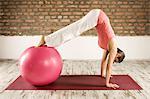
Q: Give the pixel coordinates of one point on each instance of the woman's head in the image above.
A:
(119, 56)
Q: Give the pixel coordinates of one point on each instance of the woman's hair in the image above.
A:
(120, 59)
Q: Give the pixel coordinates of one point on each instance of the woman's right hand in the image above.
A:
(111, 85)
(42, 41)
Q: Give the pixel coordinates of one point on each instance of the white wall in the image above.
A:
(136, 47)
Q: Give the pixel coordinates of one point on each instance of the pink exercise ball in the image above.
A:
(40, 65)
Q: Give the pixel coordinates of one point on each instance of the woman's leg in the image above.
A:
(73, 30)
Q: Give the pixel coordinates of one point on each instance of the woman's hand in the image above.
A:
(42, 41)
(110, 85)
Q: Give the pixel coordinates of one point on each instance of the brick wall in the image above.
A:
(34, 17)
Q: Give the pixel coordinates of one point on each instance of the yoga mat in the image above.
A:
(78, 82)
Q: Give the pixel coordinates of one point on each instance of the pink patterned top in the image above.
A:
(104, 29)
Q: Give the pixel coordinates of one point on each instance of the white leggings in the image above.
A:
(73, 30)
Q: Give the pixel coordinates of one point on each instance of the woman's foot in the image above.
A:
(42, 41)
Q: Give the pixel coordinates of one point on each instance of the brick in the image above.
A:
(129, 28)
(136, 6)
(40, 9)
(59, 10)
(5, 17)
(76, 2)
(132, 32)
(77, 13)
(59, 17)
(11, 6)
(141, 20)
(53, 13)
(112, 6)
(8, 13)
(78, 17)
(25, 27)
(53, 10)
(72, 6)
(71, 17)
(1, 24)
(34, 2)
(113, 2)
(6, 32)
(13, 28)
(48, 6)
(119, 2)
(31, 13)
(140, 28)
(47, 17)
(29, 10)
(125, 6)
(16, 21)
(131, 2)
(37, 6)
(41, 17)
(130, 14)
(53, 17)
(65, 17)
(118, 28)
(24, 2)
(44, 13)
(59, 6)
(5, 10)
(65, 10)
(65, 2)
(125, 2)
(104, 6)
(66, 13)
(100, 2)
(30, 21)
(59, 2)
(119, 13)
(131, 20)
(65, 20)
(96, 6)
(25, 13)
(70, 2)
(41, 2)
(53, 2)
(1, 10)
(81, 2)
(5, 3)
(29, 2)
(95, 2)
(83, 9)
(118, 20)
(84, 6)
(141, 13)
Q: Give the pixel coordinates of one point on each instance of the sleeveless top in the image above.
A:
(104, 29)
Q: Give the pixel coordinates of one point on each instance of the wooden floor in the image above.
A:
(138, 70)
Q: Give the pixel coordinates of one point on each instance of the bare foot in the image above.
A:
(42, 41)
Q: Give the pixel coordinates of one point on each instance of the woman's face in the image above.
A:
(117, 58)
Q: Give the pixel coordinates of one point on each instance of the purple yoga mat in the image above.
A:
(78, 82)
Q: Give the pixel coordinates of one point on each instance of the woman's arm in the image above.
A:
(112, 54)
(104, 63)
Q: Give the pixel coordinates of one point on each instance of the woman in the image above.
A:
(106, 39)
